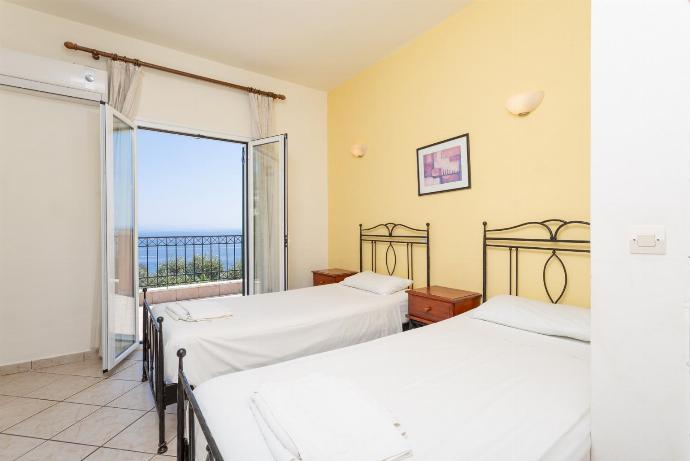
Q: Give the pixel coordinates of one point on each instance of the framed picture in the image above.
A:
(444, 166)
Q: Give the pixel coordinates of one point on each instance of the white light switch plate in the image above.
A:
(648, 240)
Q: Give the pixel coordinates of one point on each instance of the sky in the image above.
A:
(186, 184)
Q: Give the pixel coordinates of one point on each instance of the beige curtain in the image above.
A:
(261, 108)
(124, 80)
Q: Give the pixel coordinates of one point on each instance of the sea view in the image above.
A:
(209, 251)
(189, 209)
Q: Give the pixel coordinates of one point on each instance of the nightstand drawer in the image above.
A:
(320, 279)
(429, 309)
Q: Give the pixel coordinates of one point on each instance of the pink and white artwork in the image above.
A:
(444, 166)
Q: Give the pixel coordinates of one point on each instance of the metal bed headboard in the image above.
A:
(496, 238)
(390, 235)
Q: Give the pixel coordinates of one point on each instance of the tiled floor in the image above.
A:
(73, 412)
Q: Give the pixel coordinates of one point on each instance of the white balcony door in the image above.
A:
(266, 270)
(120, 277)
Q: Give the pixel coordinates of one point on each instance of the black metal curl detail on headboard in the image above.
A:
(391, 234)
(552, 243)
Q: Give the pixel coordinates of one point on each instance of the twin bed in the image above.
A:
(246, 332)
(265, 329)
(508, 380)
(463, 389)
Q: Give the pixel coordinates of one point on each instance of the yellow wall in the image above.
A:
(454, 79)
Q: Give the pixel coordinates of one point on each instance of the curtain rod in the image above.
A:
(96, 54)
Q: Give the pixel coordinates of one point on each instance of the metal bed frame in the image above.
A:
(186, 437)
(389, 234)
(493, 238)
(186, 426)
(153, 369)
(550, 242)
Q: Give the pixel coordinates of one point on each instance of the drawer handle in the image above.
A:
(427, 309)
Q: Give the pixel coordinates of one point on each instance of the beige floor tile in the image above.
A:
(135, 356)
(103, 392)
(14, 410)
(171, 409)
(58, 451)
(143, 434)
(132, 372)
(108, 454)
(100, 426)
(120, 367)
(139, 398)
(12, 446)
(63, 387)
(52, 420)
(93, 368)
(22, 384)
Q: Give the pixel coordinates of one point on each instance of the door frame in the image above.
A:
(107, 346)
(173, 128)
(183, 130)
(283, 138)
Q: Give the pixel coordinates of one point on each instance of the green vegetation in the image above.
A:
(197, 270)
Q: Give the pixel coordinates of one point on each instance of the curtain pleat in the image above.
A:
(124, 80)
(261, 108)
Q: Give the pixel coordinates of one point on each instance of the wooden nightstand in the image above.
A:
(433, 304)
(326, 276)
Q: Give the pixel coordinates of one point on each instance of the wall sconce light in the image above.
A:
(359, 150)
(523, 103)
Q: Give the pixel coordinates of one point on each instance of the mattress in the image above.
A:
(463, 389)
(274, 327)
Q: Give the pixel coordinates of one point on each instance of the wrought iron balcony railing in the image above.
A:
(185, 259)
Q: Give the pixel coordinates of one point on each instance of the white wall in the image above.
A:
(176, 100)
(640, 175)
(49, 285)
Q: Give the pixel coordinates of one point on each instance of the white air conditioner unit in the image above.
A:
(27, 71)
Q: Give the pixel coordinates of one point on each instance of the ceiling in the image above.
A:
(317, 43)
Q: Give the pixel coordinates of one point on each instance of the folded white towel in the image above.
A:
(177, 312)
(197, 310)
(318, 418)
(277, 449)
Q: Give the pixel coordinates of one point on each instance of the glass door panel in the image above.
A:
(120, 299)
(267, 223)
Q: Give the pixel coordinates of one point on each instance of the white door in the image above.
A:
(119, 232)
(266, 270)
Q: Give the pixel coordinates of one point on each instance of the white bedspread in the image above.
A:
(270, 328)
(319, 417)
(463, 389)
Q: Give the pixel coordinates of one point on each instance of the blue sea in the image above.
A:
(151, 256)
